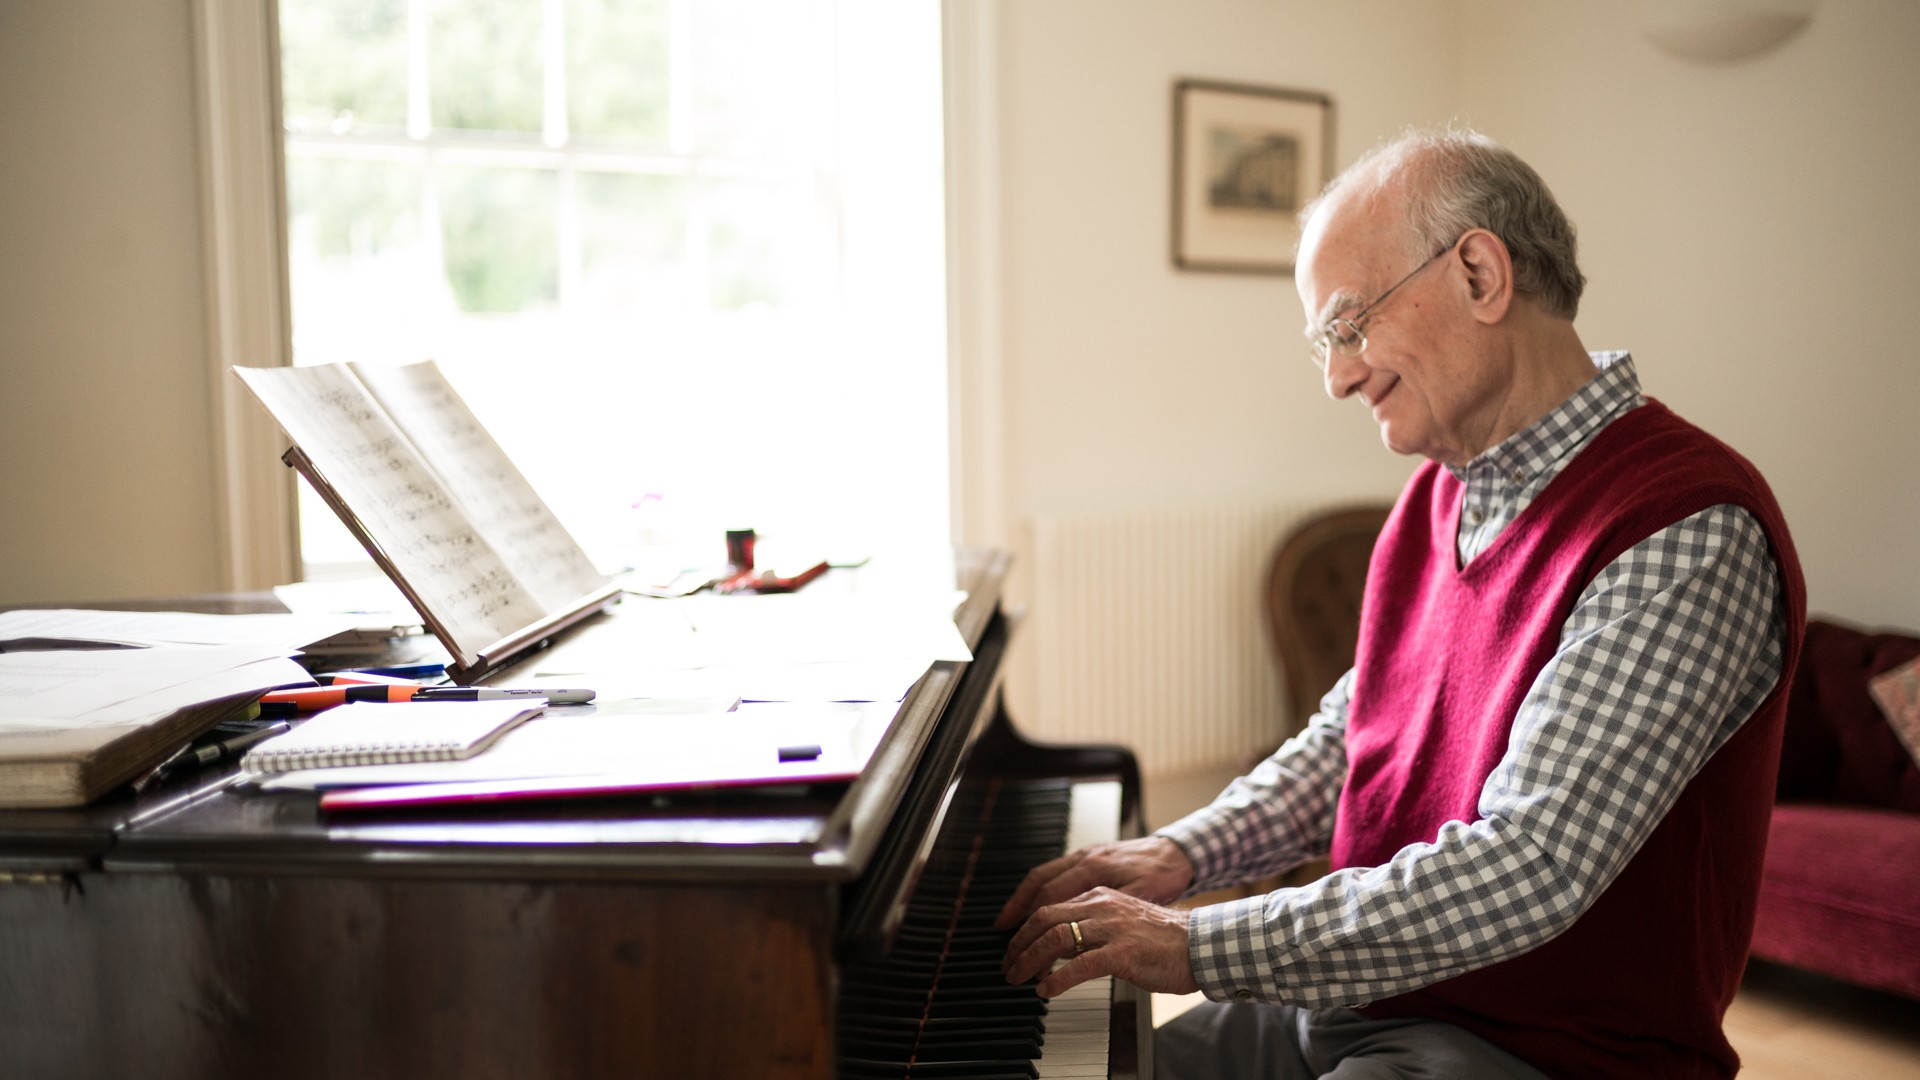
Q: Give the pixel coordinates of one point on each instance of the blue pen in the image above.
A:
(405, 671)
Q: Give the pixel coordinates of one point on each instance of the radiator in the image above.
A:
(1150, 631)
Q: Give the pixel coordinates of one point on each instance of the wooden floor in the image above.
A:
(1785, 1024)
(1790, 1025)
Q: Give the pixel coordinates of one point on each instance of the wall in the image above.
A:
(1750, 232)
(107, 480)
(1129, 385)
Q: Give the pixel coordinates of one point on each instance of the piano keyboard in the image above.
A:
(936, 1007)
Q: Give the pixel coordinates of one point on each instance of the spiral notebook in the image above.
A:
(381, 733)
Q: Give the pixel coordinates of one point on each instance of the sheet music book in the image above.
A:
(379, 733)
(413, 474)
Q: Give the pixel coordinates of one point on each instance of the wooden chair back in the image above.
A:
(1313, 603)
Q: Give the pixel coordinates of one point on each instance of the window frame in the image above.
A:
(244, 222)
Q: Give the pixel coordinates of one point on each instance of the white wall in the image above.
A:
(106, 455)
(1130, 384)
(1750, 231)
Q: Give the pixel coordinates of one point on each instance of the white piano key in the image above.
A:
(1078, 1021)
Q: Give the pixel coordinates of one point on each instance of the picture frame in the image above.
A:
(1246, 158)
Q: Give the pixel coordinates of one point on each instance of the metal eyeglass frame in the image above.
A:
(1352, 340)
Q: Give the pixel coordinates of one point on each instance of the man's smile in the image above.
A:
(1374, 400)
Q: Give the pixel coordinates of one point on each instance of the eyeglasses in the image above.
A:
(1346, 334)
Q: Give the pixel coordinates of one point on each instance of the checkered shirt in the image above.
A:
(1666, 653)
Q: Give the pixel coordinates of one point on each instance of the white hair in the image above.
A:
(1456, 180)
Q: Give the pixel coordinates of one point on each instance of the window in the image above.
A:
(684, 257)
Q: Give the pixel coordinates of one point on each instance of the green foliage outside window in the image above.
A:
(347, 63)
(484, 65)
(502, 252)
(617, 70)
(355, 209)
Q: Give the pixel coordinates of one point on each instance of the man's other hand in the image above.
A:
(1152, 868)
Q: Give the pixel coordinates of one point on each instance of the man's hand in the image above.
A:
(1123, 935)
(1152, 868)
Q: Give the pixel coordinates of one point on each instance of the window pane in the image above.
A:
(502, 249)
(758, 71)
(767, 245)
(484, 64)
(356, 241)
(345, 209)
(633, 246)
(344, 64)
(617, 70)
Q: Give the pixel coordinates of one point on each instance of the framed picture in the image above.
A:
(1245, 160)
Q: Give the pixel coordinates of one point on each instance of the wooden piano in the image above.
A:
(207, 931)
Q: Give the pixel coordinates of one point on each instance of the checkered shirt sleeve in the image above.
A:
(1666, 653)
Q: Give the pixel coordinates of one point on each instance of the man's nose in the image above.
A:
(1345, 374)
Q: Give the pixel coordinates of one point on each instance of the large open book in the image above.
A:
(438, 504)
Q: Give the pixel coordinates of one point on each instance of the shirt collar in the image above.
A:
(1542, 445)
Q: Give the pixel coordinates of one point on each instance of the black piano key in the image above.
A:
(857, 1069)
(885, 1029)
(893, 1005)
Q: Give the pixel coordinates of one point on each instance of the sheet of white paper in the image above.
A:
(484, 481)
(880, 680)
(272, 632)
(684, 748)
(260, 675)
(64, 688)
(805, 627)
(379, 475)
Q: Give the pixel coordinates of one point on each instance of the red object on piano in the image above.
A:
(769, 582)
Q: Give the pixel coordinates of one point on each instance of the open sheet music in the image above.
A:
(411, 471)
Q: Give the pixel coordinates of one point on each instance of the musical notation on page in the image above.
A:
(473, 468)
(428, 537)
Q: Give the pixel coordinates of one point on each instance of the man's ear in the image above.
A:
(1489, 269)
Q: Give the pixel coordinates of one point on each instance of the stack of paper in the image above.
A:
(77, 719)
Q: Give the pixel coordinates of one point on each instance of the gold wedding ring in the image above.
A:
(1079, 943)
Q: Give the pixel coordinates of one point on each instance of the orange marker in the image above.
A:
(286, 702)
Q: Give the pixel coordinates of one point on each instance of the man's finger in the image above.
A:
(1031, 932)
(1023, 903)
(1050, 943)
(1088, 965)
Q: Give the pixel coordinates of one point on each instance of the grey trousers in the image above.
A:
(1215, 1041)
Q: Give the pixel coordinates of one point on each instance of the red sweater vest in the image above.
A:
(1638, 985)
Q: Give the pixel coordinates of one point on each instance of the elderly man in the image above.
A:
(1544, 786)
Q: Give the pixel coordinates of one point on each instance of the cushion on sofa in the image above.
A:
(1838, 894)
(1838, 746)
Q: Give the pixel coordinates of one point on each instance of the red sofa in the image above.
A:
(1841, 891)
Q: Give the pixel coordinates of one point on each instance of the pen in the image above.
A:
(174, 760)
(285, 702)
(404, 671)
(227, 748)
(485, 693)
(361, 678)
